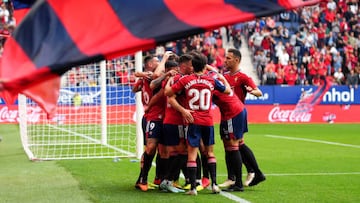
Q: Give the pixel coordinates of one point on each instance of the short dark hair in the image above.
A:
(185, 58)
(148, 58)
(171, 64)
(235, 52)
(173, 57)
(198, 61)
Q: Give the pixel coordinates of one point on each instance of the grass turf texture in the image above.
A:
(303, 163)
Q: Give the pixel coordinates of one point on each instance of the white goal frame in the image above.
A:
(33, 141)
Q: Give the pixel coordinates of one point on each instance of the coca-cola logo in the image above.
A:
(33, 114)
(278, 115)
(7, 115)
(12, 115)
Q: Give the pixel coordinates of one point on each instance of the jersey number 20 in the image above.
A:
(200, 99)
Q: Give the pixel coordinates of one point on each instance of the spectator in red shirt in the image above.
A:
(330, 17)
(280, 77)
(267, 43)
(291, 77)
(327, 62)
(316, 80)
(312, 68)
(288, 67)
(344, 26)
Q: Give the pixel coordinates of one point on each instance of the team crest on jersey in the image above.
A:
(236, 79)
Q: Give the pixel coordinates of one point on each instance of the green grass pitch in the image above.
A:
(302, 163)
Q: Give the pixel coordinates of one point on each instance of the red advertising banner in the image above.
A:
(291, 114)
(125, 114)
(288, 114)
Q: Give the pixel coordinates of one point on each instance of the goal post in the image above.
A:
(98, 115)
(139, 109)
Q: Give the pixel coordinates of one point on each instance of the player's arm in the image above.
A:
(137, 86)
(227, 89)
(157, 82)
(211, 68)
(147, 74)
(160, 69)
(140, 74)
(256, 92)
(168, 90)
(186, 114)
(252, 88)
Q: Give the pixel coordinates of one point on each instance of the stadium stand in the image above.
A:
(317, 40)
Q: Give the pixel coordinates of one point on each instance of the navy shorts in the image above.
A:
(196, 132)
(173, 134)
(234, 128)
(154, 129)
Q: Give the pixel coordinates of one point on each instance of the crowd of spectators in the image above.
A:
(120, 71)
(7, 22)
(294, 47)
(302, 45)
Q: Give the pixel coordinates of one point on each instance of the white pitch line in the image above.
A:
(222, 193)
(312, 140)
(233, 197)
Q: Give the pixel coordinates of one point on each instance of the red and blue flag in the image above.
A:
(21, 7)
(57, 35)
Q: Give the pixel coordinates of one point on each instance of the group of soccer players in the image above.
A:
(177, 93)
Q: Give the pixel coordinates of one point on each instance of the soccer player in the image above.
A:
(173, 131)
(175, 115)
(198, 89)
(242, 84)
(143, 84)
(171, 67)
(174, 128)
(233, 125)
(152, 119)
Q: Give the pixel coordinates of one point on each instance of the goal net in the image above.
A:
(96, 116)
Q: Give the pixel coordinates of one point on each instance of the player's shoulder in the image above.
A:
(177, 76)
(187, 76)
(184, 78)
(242, 75)
(207, 77)
(226, 73)
(237, 73)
